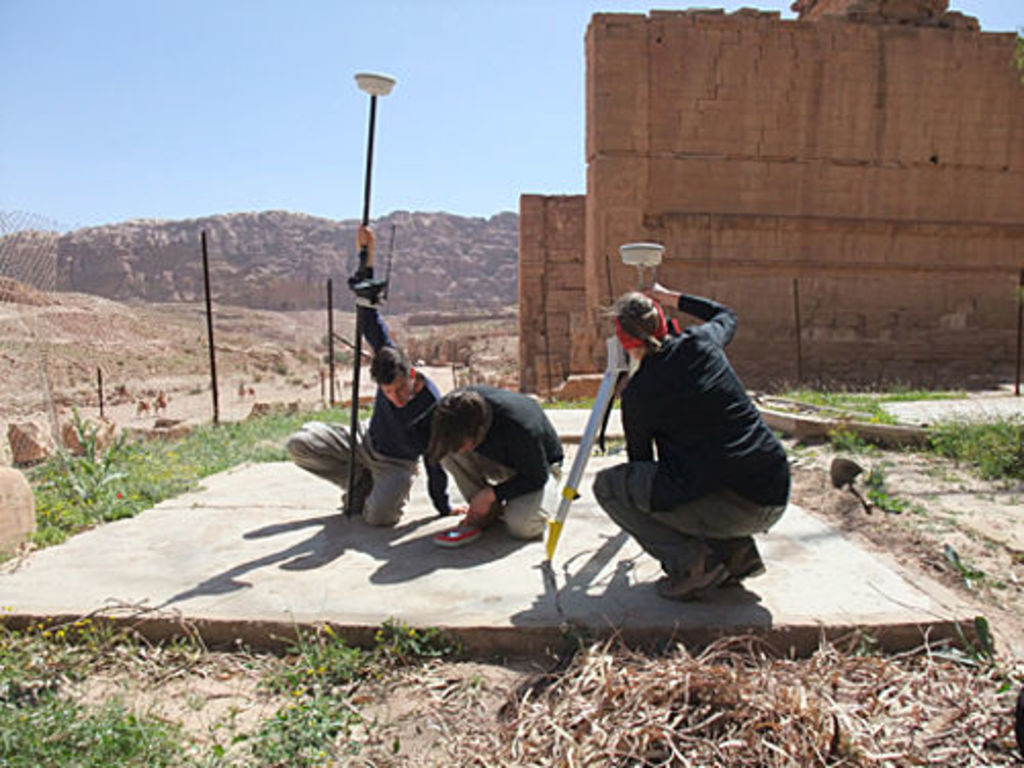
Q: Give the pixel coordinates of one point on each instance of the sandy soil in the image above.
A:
(52, 357)
(956, 528)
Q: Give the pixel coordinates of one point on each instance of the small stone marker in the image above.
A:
(17, 509)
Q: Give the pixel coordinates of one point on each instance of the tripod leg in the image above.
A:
(602, 403)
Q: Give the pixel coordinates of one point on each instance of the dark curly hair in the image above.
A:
(390, 363)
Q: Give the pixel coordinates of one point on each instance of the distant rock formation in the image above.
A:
(280, 260)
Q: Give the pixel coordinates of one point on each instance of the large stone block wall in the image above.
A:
(551, 299)
(875, 170)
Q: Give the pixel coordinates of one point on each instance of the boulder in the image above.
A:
(17, 509)
(106, 431)
(30, 442)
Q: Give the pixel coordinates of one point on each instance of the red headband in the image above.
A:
(632, 342)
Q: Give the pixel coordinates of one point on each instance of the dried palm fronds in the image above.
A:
(733, 705)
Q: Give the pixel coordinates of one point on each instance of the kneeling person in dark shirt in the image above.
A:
(387, 455)
(502, 451)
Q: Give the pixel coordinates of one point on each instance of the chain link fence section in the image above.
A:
(28, 280)
(146, 362)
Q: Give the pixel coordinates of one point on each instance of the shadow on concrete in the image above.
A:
(411, 559)
(600, 598)
(403, 560)
(326, 544)
(321, 548)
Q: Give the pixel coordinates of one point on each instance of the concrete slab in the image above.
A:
(262, 548)
(570, 423)
(987, 407)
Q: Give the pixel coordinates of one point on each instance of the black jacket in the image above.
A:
(521, 437)
(687, 400)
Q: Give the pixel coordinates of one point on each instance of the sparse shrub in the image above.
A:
(995, 448)
(41, 726)
(879, 495)
(322, 659)
(399, 643)
(848, 441)
(305, 733)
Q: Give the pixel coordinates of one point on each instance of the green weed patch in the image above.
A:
(995, 449)
(74, 493)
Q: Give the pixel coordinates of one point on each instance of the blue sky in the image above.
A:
(121, 109)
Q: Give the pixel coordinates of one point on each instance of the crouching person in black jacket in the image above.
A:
(720, 475)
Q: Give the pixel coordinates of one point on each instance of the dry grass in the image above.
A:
(733, 705)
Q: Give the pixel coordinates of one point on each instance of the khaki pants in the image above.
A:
(382, 484)
(524, 516)
(719, 523)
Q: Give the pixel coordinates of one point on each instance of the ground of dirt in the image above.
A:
(153, 361)
(428, 712)
(954, 527)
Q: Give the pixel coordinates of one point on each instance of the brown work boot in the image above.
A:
(704, 576)
(744, 562)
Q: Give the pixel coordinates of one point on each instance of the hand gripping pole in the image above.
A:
(617, 363)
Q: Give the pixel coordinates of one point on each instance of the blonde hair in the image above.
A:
(639, 317)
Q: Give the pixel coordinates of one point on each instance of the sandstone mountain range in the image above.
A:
(123, 303)
(277, 260)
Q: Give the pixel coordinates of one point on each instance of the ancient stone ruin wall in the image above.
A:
(865, 181)
(551, 298)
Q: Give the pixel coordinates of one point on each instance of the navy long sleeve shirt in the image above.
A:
(403, 433)
(521, 437)
(686, 400)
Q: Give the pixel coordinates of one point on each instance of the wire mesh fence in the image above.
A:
(145, 366)
(28, 277)
(140, 366)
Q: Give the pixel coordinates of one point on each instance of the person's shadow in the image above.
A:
(417, 557)
(403, 558)
(623, 605)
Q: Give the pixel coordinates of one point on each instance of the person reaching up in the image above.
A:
(720, 475)
(387, 455)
